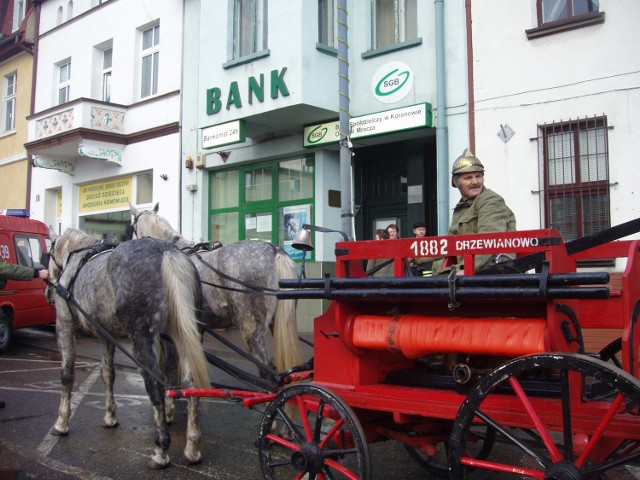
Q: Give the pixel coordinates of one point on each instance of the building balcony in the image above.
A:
(88, 130)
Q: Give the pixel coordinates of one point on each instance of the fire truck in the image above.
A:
(22, 303)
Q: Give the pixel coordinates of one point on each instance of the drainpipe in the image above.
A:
(35, 10)
(472, 102)
(345, 147)
(441, 125)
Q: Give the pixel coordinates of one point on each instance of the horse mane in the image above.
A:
(159, 227)
(74, 239)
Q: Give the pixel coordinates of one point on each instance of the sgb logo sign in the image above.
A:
(392, 82)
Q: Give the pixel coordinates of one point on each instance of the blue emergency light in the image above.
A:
(15, 212)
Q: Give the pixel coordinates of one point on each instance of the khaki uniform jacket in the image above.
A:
(12, 271)
(485, 213)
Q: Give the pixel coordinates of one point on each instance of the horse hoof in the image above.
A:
(106, 425)
(188, 462)
(153, 465)
(57, 433)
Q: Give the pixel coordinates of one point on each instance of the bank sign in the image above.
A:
(392, 82)
(396, 120)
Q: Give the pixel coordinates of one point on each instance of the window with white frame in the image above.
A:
(576, 176)
(393, 22)
(107, 57)
(326, 22)
(70, 10)
(18, 13)
(9, 89)
(249, 27)
(64, 81)
(150, 61)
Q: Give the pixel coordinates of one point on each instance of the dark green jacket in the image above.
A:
(12, 271)
(483, 214)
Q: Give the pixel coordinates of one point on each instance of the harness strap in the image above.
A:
(250, 286)
(68, 297)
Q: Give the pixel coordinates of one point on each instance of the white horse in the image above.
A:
(239, 284)
(143, 289)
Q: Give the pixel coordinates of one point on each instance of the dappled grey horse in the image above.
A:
(144, 289)
(239, 289)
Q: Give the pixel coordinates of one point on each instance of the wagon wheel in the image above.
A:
(611, 351)
(567, 452)
(479, 444)
(323, 439)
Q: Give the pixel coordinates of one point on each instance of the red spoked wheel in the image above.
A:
(322, 440)
(479, 443)
(559, 417)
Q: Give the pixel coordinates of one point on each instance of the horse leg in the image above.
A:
(143, 349)
(67, 345)
(255, 340)
(108, 376)
(192, 453)
(170, 362)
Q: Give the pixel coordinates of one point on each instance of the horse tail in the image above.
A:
(286, 346)
(182, 290)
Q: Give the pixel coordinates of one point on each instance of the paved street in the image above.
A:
(29, 386)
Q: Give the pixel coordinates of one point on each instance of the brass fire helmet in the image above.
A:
(465, 163)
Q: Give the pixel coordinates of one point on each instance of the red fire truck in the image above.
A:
(22, 304)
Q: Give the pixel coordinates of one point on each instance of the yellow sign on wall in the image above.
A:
(111, 194)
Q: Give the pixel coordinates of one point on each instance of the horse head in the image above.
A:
(61, 250)
(147, 223)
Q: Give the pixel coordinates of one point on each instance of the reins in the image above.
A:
(248, 289)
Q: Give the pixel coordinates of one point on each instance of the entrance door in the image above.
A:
(382, 174)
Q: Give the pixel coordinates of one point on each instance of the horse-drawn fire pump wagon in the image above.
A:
(456, 366)
(464, 366)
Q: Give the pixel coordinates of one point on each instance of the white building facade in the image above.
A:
(105, 128)
(261, 106)
(556, 91)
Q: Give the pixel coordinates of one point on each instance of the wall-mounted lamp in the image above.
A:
(188, 162)
(164, 176)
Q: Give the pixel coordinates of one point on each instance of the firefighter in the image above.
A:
(479, 210)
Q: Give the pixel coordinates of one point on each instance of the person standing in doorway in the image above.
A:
(393, 231)
(420, 229)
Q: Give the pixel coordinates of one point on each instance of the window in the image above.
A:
(326, 23)
(18, 14)
(106, 74)
(393, 22)
(249, 27)
(267, 202)
(70, 10)
(28, 251)
(553, 10)
(64, 82)
(150, 59)
(59, 16)
(576, 167)
(9, 89)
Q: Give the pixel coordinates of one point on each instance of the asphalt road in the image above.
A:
(30, 386)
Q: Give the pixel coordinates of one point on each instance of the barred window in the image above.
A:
(576, 176)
